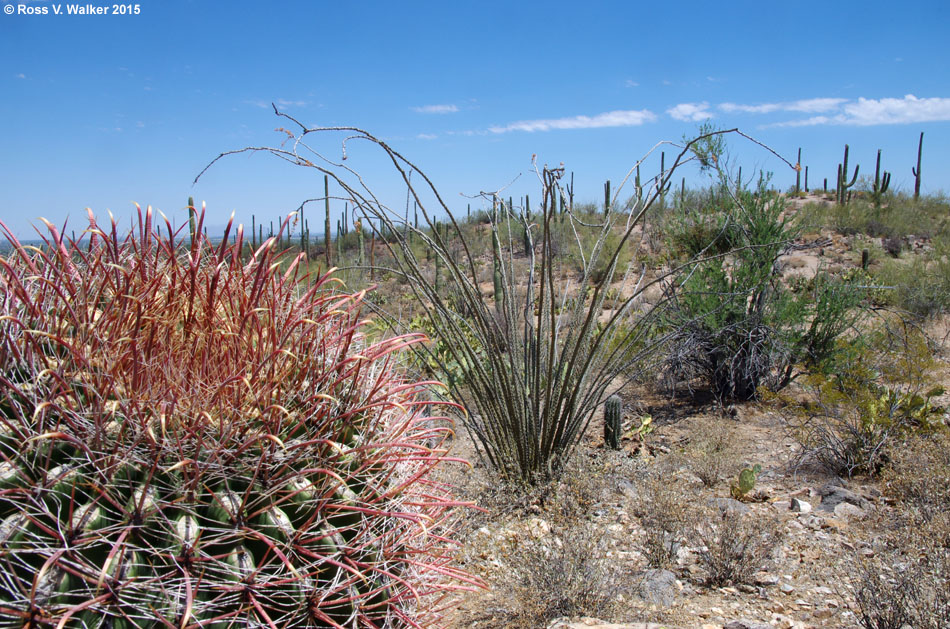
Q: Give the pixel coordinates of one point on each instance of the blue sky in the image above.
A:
(102, 111)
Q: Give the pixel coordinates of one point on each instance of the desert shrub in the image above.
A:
(565, 573)
(920, 287)
(735, 546)
(712, 455)
(552, 558)
(917, 476)
(189, 436)
(907, 586)
(880, 390)
(667, 516)
(734, 324)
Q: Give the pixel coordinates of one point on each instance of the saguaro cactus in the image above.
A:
(326, 218)
(880, 184)
(843, 183)
(612, 408)
(607, 198)
(798, 172)
(192, 214)
(916, 171)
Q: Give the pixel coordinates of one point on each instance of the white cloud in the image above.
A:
(870, 111)
(280, 102)
(21, 76)
(807, 122)
(426, 136)
(749, 109)
(690, 112)
(436, 109)
(815, 105)
(628, 118)
(808, 106)
(631, 83)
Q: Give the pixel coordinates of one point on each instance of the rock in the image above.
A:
(786, 588)
(765, 579)
(848, 511)
(800, 506)
(659, 587)
(746, 624)
(595, 623)
(537, 528)
(832, 496)
(730, 505)
(627, 488)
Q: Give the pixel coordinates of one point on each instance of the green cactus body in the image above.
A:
(192, 225)
(612, 421)
(843, 183)
(916, 171)
(880, 184)
(798, 173)
(746, 482)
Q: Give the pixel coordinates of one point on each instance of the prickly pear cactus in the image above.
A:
(746, 482)
(189, 440)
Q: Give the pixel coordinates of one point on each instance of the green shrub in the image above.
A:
(732, 322)
(880, 390)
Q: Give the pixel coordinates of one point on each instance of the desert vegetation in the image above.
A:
(696, 407)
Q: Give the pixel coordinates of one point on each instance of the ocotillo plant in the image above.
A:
(612, 422)
(526, 417)
(880, 184)
(916, 171)
(843, 183)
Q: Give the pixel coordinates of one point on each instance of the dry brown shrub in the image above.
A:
(666, 515)
(735, 546)
(550, 558)
(713, 455)
(909, 585)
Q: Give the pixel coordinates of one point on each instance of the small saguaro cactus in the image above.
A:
(192, 213)
(360, 243)
(916, 171)
(612, 414)
(843, 183)
(607, 198)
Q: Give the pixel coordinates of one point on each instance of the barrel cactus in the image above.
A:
(189, 438)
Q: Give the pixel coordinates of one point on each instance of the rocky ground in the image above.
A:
(592, 539)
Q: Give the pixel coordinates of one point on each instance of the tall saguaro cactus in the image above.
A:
(880, 184)
(798, 173)
(843, 183)
(607, 198)
(326, 224)
(916, 171)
